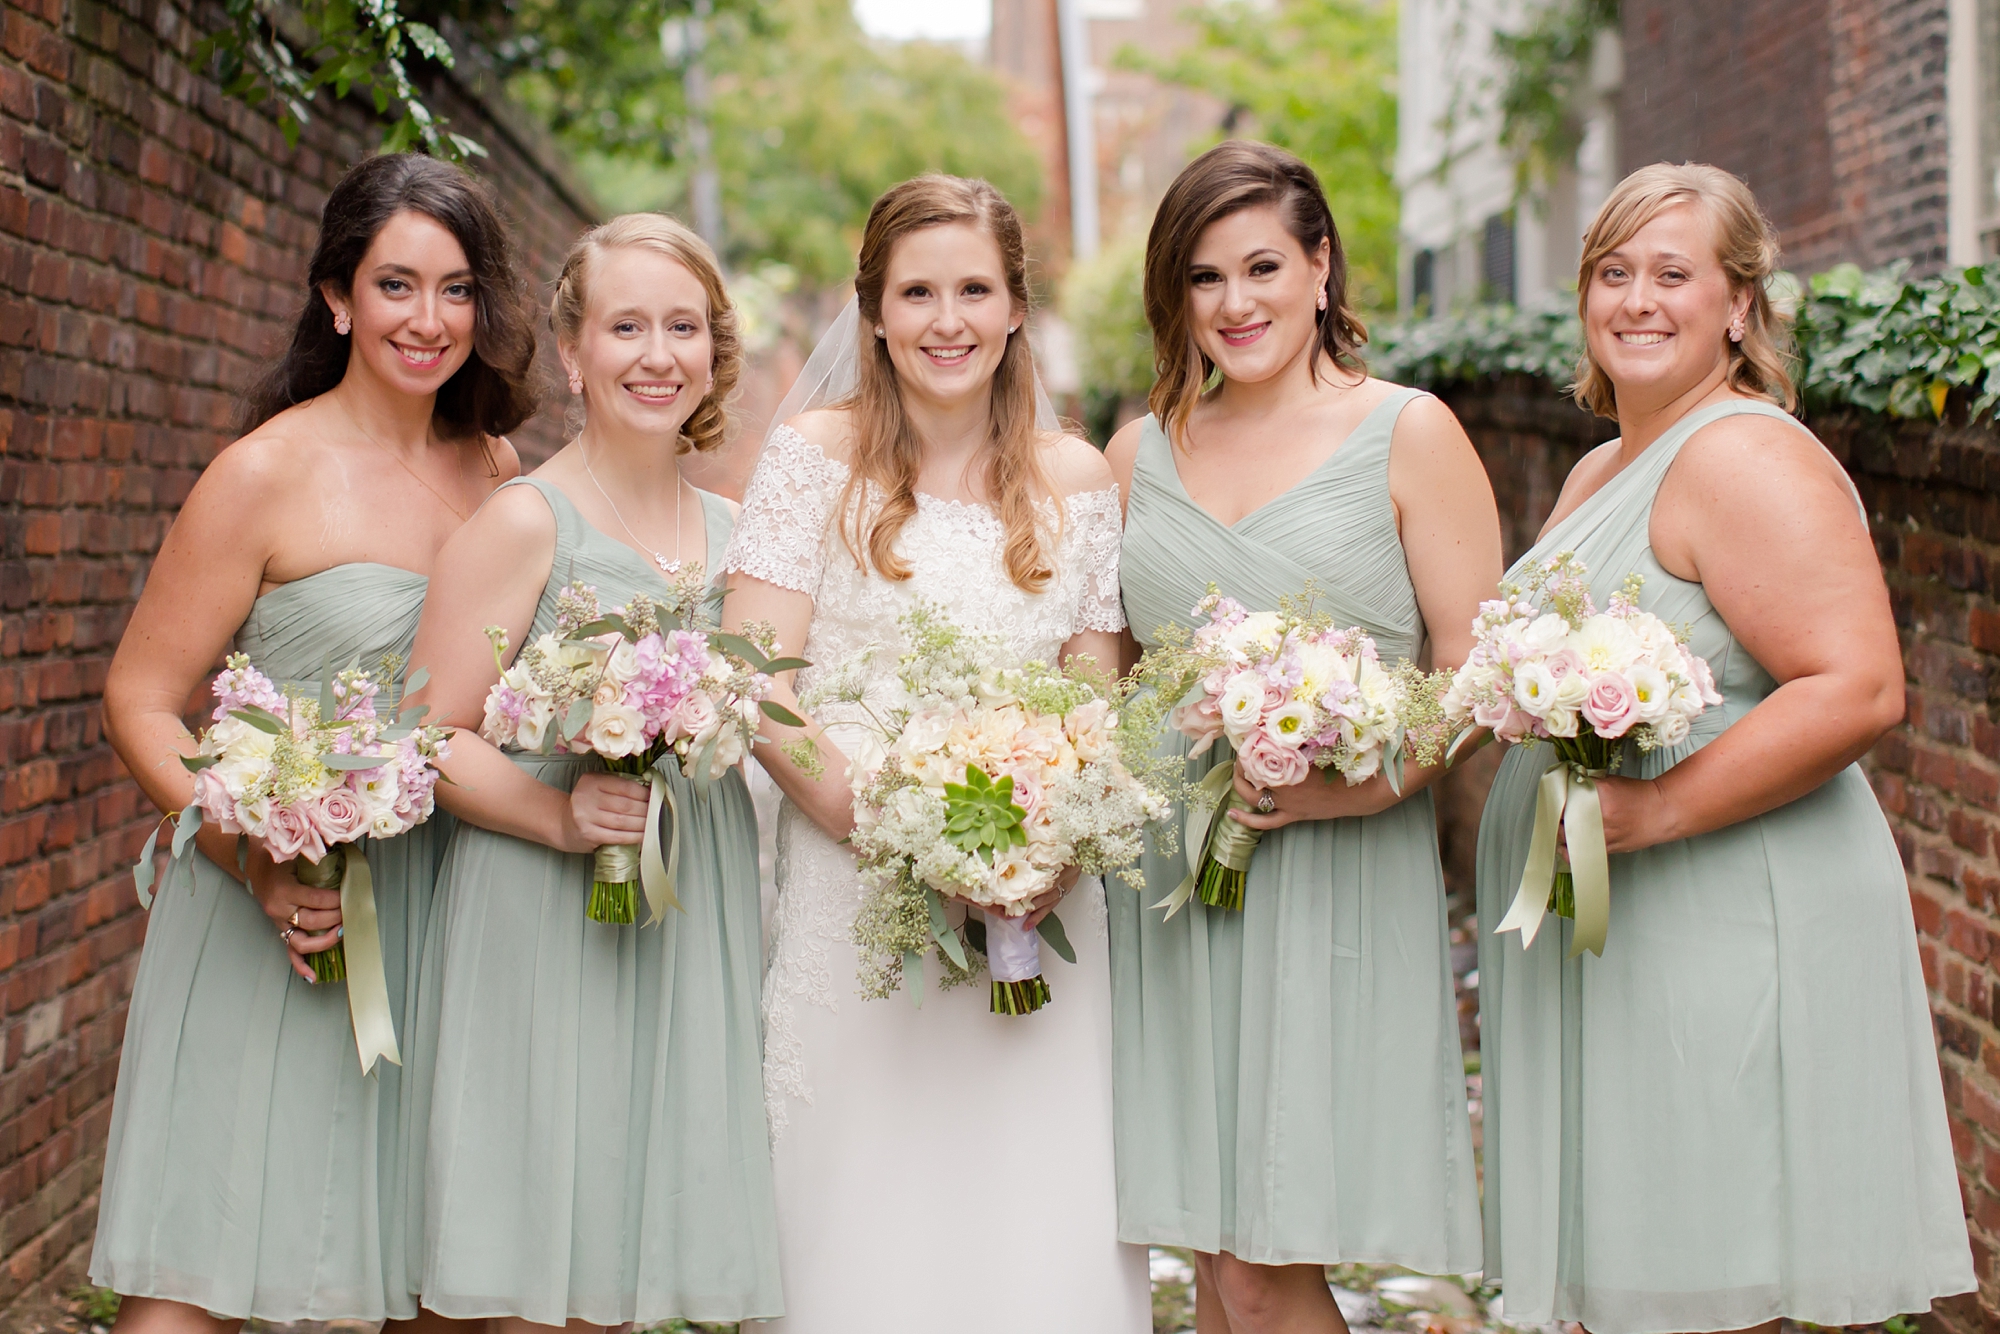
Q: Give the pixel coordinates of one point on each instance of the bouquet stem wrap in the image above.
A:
(1219, 848)
(1567, 795)
(623, 869)
(358, 957)
(1014, 959)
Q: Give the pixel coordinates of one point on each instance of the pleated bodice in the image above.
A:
(350, 615)
(1174, 549)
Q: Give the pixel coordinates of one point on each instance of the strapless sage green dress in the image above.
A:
(1289, 1082)
(597, 1147)
(1735, 1114)
(252, 1170)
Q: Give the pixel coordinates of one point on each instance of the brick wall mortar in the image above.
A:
(153, 237)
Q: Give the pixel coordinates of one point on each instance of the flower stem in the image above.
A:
(1023, 997)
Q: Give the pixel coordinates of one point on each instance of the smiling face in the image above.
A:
(643, 348)
(946, 313)
(1659, 307)
(411, 305)
(1253, 294)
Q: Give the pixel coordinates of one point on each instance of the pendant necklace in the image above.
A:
(669, 568)
(356, 423)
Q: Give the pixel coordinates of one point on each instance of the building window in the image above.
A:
(1496, 258)
(1423, 282)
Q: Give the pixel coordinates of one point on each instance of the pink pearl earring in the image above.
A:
(1322, 298)
(1736, 330)
(341, 324)
(575, 383)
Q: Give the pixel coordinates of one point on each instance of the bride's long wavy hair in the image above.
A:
(887, 450)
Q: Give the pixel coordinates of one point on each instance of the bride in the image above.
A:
(937, 1167)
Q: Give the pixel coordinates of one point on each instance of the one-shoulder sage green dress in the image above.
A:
(1289, 1082)
(1735, 1114)
(597, 1147)
(252, 1170)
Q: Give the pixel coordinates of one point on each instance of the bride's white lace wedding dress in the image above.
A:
(940, 1170)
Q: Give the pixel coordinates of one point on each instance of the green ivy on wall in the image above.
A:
(1879, 341)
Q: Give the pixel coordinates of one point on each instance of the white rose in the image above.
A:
(615, 731)
(1652, 692)
(1560, 722)
(1545, 634)
(623, 663)
(1572, 691)
(1242, 703)
(925, 732)
(537, 716)
(1534, 689)
(1671, 729)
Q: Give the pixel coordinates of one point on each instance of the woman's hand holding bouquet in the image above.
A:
(309, 776)
(1291, 693)
(985, 784)
(632, 687)
(1587, 682)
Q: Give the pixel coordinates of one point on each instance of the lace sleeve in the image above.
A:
(1096, 532)
(781, 535)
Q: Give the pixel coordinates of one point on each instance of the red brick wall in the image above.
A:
(1832, 110)
(152, 239)
(1933, 495)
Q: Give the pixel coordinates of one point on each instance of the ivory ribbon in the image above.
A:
(1204, 812)
(1567, 793)
(367, 977)
(656, 876)
(1013, 948)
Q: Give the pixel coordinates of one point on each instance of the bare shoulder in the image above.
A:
(1427, 426)
(830, 430)
(1751, 449)
(259, 474)
(1122, 454)
(1075, 465)
(511, 515)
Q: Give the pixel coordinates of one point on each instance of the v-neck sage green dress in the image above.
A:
(251, 1169)
(1735, 1114)
(1289, 1082)
(597, 1147)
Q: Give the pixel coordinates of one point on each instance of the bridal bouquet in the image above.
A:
(311, 776)
(982, 782)
(1290, 692)
(632, 687)
(1587, 682)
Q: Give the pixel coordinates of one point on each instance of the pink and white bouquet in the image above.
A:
(1290, 692)
(632, 687)
(311, 774)
(1587, 682)
(982, 782)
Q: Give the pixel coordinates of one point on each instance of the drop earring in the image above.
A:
(575, 382)
(342, 325)
(1322, 298)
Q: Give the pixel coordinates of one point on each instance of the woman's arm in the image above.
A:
(824, 796)
(1760, 515)
(492, 572)
(1450, 531)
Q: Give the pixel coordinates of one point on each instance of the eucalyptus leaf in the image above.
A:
(353, 763)
(185, 827)
(740, 647)
(194, 764)
(261, 719)
(328, 706)
(779, 713)
(576, 717)
(776, 665)
(417, 680)
(913, 968)
(1051, 929)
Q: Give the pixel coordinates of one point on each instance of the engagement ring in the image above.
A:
(1266, 804)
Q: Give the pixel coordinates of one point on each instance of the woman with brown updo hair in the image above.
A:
(943, 1166)
(1290, 1087)
(595, 1132)
(1734, 1114)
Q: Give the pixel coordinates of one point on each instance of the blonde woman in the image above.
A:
(942, 1167)
(1734, 1115)
(596, 1135)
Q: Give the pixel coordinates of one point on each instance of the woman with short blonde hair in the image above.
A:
(1734, 1115)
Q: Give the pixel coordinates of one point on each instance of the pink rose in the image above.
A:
(1563, 663)
(1027, 792)
(1493, 711)
(289, 835)
(1269, 764)
(1612, 705)
(212, 795)
(696, 713)
(1704, 680)
(339, 817)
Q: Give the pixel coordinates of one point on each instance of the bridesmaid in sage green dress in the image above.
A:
(252, 1169)
(1290, 1089)
(1734, 1115)
(596, 1141)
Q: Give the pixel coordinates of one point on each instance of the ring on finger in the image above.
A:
(287, 934)
(294, 923)
(1266, 803)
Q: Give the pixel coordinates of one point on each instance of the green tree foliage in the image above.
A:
(810, 121)
(1316, 77)
(1545, 67)
(1114, 346)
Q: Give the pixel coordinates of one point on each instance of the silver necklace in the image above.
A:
(669, 568)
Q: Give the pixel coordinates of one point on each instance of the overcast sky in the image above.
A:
(940, 20)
